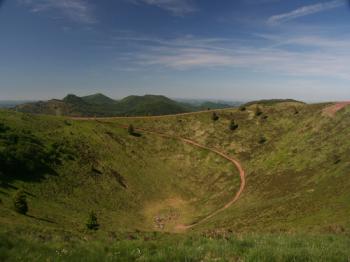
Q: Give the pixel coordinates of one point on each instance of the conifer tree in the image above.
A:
(214, 116)
(131, 130)
(20, 202)
(233, 126)
(92, 223)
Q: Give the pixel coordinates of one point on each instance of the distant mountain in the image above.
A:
(101, 105)
(99, 99)
(203, 104)
(214, 105)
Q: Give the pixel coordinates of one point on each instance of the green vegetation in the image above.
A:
(262, 140)
(132, 182)
(159, 247)
(20, 202)
(131, 130)
(294, 206)
(214, 116)
(295, 181)
(92, 223)
(258, 111)
(242, 108)
(101, 105)
(233, 126)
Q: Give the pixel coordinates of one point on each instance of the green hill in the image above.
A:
(99, 99)
(294, 206)
(101, 105)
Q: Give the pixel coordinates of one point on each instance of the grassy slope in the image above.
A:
(128, 180)
(297, 181)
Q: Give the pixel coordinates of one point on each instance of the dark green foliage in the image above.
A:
(3, 128)
(92, 223)
(242, 108)
(296, 111)
(262, 140)
(131, 130)
(336, 159)
(214, 116)
(20, 202)
(258, 111)
(67, 122)
(233, 126)
(22, 155)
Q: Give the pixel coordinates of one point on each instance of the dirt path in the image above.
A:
(216, 151)
(333, 109)
(195, 144)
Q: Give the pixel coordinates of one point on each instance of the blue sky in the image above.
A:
(224, 49)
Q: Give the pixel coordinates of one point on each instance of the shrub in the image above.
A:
(262, 140)
(24, 156)
(233, 126)
(242, 108)
(214, 116)
(20, 202)
(296, 111)
(92, 223)
(131, 130)
(258, 111)
(3, 128)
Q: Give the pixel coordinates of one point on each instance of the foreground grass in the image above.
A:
(155, 247)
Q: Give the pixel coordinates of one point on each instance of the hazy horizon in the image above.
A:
(236, 51)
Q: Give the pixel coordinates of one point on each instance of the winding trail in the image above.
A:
(195, 144)
(216, 151)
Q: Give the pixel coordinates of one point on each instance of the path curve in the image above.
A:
(216, 151)
(193, 143)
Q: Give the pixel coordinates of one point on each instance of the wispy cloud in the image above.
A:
(79, 11)
(176, 7)
(306, 10)
(275, 57)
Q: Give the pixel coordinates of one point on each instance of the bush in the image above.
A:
(92, 223)
(214, 116)
(242, 108)
(262, 140)
(20, 202)
(233, 126)
(258, 111)
(131, 130)
(296, 111)
(3, 128)
(22, 155)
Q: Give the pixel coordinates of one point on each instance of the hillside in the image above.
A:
(101, 105)
(295, 200)
(295, 157)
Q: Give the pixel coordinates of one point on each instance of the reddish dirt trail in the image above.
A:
(333, 109)
(193, 143)
(232, 160)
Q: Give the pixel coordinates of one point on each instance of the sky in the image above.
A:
(223, 49)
